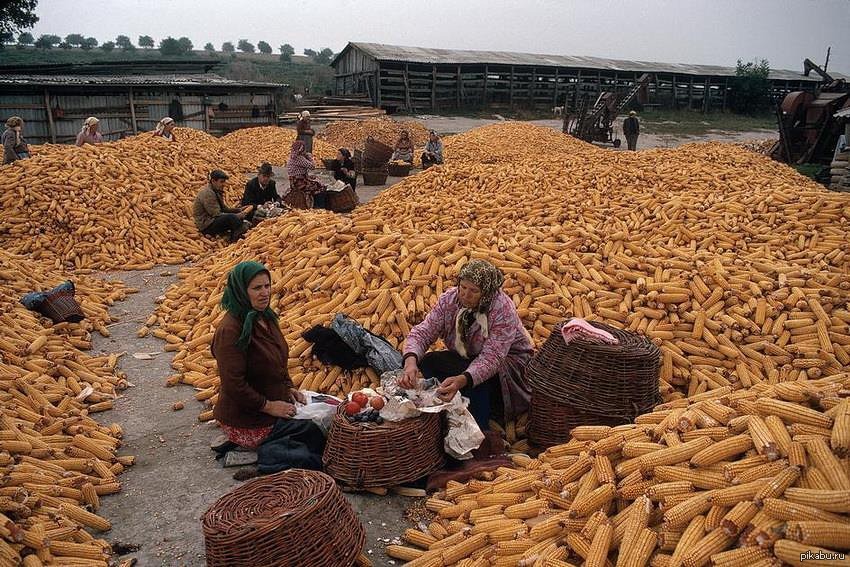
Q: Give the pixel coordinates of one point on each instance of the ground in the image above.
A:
(176, 477)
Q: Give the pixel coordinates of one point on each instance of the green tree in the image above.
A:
(170, 46)
(324, 56)
(107, 46)
(210, 48)
(227, 47)
(47, 41)
(75, 39)
(751, 87)
(89, 43)
(185, 44)
(25, 38)
(245, 46)
(124, 43)
(65, 45)
(146, 41)
(6, 37)
(264, 47)
(310, 53)
(286, 52)
(16, 15)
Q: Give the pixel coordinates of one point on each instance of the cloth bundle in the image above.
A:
(577, 329)
(34, 299)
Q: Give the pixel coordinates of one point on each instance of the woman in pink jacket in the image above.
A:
(488, 346)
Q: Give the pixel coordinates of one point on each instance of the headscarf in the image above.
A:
(489, 280)
(236, 301)
(305, 115)
(11, 123)
(345, 153)
(160, 128)
(91, 120)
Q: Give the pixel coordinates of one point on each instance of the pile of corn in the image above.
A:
(758, 146)
(125, 205)
(753, 477)
(272, 144)
(56, 461)
(353, 134)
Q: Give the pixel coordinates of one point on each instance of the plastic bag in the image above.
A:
(320, 408)
(463, 435)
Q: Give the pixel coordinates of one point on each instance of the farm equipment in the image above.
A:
(596, 123)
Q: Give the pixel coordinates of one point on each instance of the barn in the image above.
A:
(132, 97)
(423, 79)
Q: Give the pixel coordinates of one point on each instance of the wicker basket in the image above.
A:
(292, 518)
(358, 160)
(376, 152)
(368, 455)
(61, 307)
(375, 176)
(551, 421)
(297, 199)
(330, 163)
(342, 201)
(398, 170)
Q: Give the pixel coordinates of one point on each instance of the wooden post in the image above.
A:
(598, 83)
(706, 98)
(407, 88)
(133, 113)
(434, 86)
(725, 92)
(691, 94)
(511, 100)
(378, 86)
(675, 94)
(486, 72)
(51, 126)
(555, 97)
(459, 87)
(207, 124)
(532, 87)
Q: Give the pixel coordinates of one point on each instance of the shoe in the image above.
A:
(239, 459)
(222, 444)
(246, 474)
(240, 232)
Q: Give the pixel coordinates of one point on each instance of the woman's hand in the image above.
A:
(297, 396)
(450, 386)
(279, 408)
(411, 374)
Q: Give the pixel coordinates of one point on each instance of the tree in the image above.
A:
(185, 44)
(210, 48)
(324, 56)
(124, 43)
(310, 53)
(170, 46)
(107, 46)
(75, 39)
(146, 41)
(6, 37)
(89, 43)
(264, 47)
(65, 45)
(286, 52)
(25, 38)
(751, 87)
(245, 46)
(47, 41)
(16, 15)
(227, 47)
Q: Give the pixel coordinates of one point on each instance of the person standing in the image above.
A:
(305, 131)
(14, 145)
(631, 130)
(213, 216)
(89, 134)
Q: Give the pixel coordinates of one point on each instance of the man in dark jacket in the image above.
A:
(260, 190)
(213, 216)
(631, 129)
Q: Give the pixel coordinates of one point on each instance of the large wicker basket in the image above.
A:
(294, 518)
(375, 176)
(587, 383)
(398, 169)
(368, 455)
(342, 201)
(376, 152)
(297, 199)
(61, 307)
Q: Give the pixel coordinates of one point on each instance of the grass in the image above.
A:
(684, 122)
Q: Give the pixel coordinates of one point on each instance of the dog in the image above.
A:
(558, 110)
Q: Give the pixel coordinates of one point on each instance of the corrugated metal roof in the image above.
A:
(429, 56)
(192, 80)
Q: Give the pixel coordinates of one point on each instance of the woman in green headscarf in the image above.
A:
(252, 355)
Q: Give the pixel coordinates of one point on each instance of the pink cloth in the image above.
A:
(580, 329)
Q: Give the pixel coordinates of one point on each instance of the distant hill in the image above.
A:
(302, 72)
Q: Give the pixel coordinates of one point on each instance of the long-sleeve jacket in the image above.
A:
(435, 148)
(208, 205)
(505, 351)
(12, 147)
(249, 378)
(83, 138)
(631, 126)
(257, 195)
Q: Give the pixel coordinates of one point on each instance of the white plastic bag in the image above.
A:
(463, 435)
(320, 412)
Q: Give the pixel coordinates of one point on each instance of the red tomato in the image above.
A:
(360, 398)
(352, 408)
(377, 402)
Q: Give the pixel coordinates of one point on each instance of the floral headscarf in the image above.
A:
(489, 280)
(160, 127)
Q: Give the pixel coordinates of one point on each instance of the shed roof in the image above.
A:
(181, 80)
(405, 54)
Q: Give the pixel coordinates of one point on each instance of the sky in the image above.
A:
(715, 32)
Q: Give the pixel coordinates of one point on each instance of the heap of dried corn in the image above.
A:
(56, 460)
(269, 143)
(353, 134)
(754, 477)
(758, 146)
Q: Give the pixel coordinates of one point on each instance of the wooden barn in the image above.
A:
(132, 97)
(419, 79)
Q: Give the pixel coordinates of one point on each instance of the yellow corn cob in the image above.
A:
(600, 546)
(823, 458)
(80, 550)
(642, 549)
(515, 547)
(590, 432)
(682, 514)
(593, 522)
(780, 434)
(636, 521)
(603, 469)
(776, 487)
(496, 525)
(692, 534)
(455, 511)
(827, 500)
(455, 538)
(840, 437)
(548, 527)
(437, 530)
(673, 455)
(785, 510)
(740, 557)
(714, 517)
(589, 503)
(525, 510)
(734, 522)
(764, 442)
(660, 491)
(698, 478)
(500, 499)
(722, 450)
(418, 538)
(455, 553)
(712, 543)
(485, 512)
(827, 534)
(796, 554)
(734, 494)
(793, 413)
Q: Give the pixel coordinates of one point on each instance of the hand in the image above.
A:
(450, 386)
(411, 374)
(279, 408)
(297, 396)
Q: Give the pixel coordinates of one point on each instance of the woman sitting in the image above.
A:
(14, 145)
(89, 133)
(344, 168)
(303, 188)
(403, 150)
(488, 346)
(433, 154)
(257, 397)
(165, 129)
